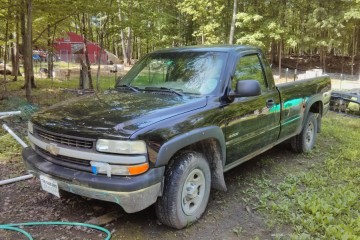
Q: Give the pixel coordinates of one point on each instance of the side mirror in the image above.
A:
(247, 88)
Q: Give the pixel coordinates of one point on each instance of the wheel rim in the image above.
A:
(309, 135)
(193, 192)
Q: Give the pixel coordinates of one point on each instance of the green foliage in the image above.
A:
(323, 203)
(206, 14)
(8, 147)
(249, 29)
(300, 25)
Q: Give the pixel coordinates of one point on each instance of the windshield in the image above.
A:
(186, 72)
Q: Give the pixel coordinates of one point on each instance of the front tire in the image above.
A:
(186, 190)
(305, 141)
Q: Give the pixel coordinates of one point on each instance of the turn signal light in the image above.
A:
(138, 169)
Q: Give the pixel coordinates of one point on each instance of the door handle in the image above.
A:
(270, 103)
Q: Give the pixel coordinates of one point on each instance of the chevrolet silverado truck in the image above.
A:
(170, 128)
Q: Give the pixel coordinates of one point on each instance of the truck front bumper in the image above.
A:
(133, 193)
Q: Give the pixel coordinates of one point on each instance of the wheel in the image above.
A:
(186, 190)
(305, 141)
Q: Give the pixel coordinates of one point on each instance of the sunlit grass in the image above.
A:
(9, 148)
(322, 203)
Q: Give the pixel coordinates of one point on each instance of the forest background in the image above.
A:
(325, 30)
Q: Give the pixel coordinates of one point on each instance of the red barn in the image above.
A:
(71, 49)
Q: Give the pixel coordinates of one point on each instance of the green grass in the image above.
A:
(62, 64)
(9, 148)
(323, 202)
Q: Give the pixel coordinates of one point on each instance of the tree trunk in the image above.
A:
(13, 57)
(91, 33)
(99, 62)
(128, 47)
(323, 58)
(101, 35)
(280, 56)
(5, 54)
(15, 51)
(273, 52)
(232, 27)
(139, 48)
(123, 46)
(354, 50)
(30, 35)
(17, 55)
(50, 53)
(26, 29)
(122, 35)
(87, 81)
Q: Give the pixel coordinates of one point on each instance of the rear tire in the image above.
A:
(305, 141)
(186, 190)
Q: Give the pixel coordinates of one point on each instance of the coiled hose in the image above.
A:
(15, 227)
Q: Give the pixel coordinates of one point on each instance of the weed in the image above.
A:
(238, 231)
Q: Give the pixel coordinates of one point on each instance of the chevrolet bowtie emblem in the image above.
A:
(53, 149)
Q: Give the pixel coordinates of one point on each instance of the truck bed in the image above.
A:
(295, 101)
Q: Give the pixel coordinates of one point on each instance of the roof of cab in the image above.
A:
(216, 48)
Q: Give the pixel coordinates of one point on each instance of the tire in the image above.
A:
(186, 190)
(305, 141)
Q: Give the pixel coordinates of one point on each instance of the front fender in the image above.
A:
(168, 149)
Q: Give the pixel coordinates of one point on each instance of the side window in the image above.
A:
(249, 68)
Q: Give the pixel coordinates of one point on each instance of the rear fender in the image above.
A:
(314, 105)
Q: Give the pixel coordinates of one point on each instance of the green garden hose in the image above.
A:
(15, 227)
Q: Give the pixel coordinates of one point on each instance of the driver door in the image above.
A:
(252, 122)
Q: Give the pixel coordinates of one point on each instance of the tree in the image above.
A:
(26, 32)
(206, 15)
(131, 28)
(352, 19)
(233, 20)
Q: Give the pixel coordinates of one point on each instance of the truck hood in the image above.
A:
(116, 114)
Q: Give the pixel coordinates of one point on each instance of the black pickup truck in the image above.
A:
(171, 127)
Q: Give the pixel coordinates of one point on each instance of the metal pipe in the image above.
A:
(8, 114)
(22, 143)
(12, 180)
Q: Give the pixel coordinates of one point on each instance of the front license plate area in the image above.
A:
(49, 185)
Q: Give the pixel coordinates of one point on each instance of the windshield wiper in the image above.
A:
(163, 89)
(134, 89)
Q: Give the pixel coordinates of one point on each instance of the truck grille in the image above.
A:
(65, 140)
(59, 159)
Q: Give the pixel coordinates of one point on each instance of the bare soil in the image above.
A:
(229, 215)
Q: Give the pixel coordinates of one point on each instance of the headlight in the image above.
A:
(30, 127)
(121, 147)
